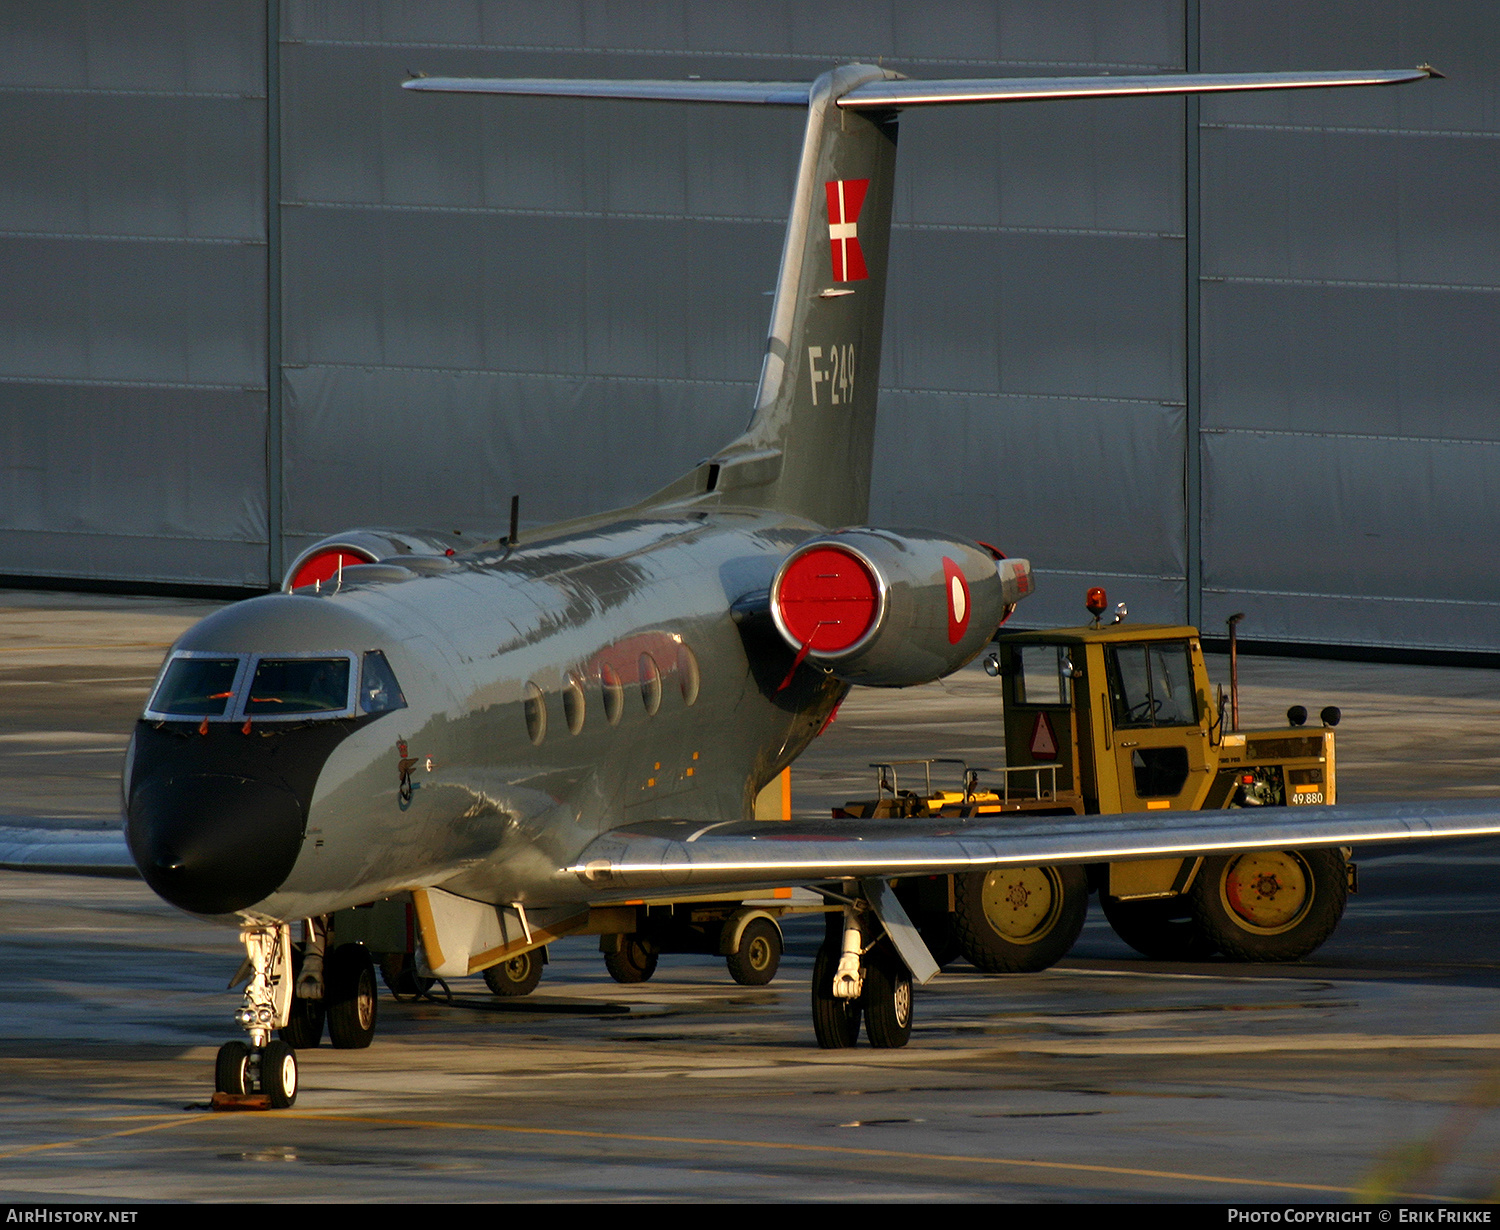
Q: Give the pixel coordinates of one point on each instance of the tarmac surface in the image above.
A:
(1369, 1071)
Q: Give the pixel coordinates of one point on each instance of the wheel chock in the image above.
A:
(240, 1101)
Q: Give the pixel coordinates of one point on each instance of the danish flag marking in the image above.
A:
(846, 197)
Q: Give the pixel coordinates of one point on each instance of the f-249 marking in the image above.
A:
(838, 374)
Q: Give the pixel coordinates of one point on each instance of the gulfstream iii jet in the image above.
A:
(523, 732)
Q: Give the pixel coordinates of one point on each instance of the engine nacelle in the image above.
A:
(352, 548)
(890, 609)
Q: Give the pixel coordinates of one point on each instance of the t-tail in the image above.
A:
(808, 448)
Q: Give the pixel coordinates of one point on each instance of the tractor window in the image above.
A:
(1172, 685)
(1039, 678)
(1160, 772)
(1152, 685)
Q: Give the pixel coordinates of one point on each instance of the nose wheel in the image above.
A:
(244, 1075)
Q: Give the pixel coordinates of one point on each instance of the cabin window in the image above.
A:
(613, 693)
(196, 687)
(286, 686)
(688, 676)
(535, 706)
(650, 683)
(378, 690)
(573, 706)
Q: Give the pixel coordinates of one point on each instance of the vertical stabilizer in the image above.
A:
(808, 448)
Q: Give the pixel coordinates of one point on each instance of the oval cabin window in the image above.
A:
(688, 678)
(573, 706)
(650, 683)
(535, 706)
(612, 692)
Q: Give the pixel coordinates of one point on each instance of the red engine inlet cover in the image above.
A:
(325, 565)
(827, 599)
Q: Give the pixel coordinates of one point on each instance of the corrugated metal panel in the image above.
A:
(133, 368)
(1350, 330)
(1413, 562)
(1089, 490)
(447, 449)
(131, 482)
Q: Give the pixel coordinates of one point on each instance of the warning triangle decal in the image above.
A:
(1043, 741)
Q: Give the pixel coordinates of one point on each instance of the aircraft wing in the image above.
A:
(79, 852)
(681, 854)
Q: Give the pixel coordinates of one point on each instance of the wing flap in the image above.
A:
(683, 854)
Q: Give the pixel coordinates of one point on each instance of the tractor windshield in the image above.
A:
(1152, 684)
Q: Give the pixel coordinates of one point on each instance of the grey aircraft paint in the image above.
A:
(569, 696)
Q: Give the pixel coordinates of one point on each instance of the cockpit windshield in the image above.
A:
(239, 687)
(284, 686)
(197, 687)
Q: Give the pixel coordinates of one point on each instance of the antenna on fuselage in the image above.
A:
(515, 520)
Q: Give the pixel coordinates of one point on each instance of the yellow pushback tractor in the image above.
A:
(1111, 718)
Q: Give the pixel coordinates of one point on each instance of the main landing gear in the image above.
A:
(858, 974)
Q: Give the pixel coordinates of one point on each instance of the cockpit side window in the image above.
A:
(196, 687)
(378, 690)
(284, 686)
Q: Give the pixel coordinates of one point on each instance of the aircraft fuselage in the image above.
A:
(552, 691)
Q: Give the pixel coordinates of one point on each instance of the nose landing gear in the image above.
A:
(264, 1073)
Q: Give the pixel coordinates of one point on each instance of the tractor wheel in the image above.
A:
(1016, 920)
(1270, 905)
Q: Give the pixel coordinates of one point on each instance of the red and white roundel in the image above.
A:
(958, 600)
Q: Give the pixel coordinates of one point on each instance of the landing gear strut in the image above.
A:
(266, 1066)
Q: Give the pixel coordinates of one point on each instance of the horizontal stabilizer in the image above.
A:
(904, 92)
(773, 93)
(66, 852)
(683, 854)
(900, 92)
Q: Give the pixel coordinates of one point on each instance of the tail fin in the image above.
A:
(809, 445)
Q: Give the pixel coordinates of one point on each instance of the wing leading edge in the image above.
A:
(683, 854)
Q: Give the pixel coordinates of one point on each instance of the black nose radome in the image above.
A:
(213, 843)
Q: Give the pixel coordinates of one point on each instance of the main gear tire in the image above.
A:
(518, 976)
(757, 957)
(835, 1021)
(886, 1000)
(1016, 920)
(349, 993)
(633, 962)
(1162, 928)
(1270, 905)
